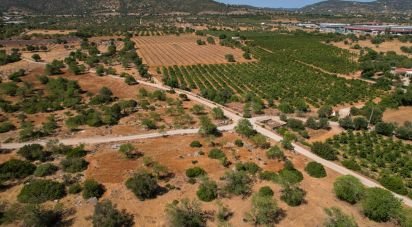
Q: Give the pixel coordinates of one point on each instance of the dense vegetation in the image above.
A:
(384, 159)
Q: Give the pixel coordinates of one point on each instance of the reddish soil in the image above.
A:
(399, 116)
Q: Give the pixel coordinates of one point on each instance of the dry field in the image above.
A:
(158, 51)
(394, 45)
(399, 116)
(111, 169)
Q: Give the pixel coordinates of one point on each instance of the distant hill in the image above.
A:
(112, 6)
(379, 6)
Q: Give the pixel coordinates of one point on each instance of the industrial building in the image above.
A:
(379, 29)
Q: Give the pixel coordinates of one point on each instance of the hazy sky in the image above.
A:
(276, 3)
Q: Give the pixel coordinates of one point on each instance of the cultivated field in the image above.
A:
(50, 32)
(159, 51)
(394, 45)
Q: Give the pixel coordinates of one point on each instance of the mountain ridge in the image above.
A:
(351, 7)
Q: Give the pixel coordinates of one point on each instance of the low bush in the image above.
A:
(249, 167)
(266, 191)
(106, 214)
(45, 170)
(269, 176)
(315, 169)
(216, 154)
(207, 190)
(290, 175)
(40, 191)
(195, 143)
(275, 153)
(185, 213)
(324, 150)
(349, 189)
(380, 205)
(239, 143)
(293, 196)
(351, 164)
(33, 152)
(75, 188)
(394, 183)
(195, 172)
(336, 218)
(143, 185)
(16, 169)
(77, 152)
(74, 165)
(92, 188)
(237, 183)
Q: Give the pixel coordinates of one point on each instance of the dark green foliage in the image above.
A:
(351, 164)
(324, 150)
(218, 113)
(290, 175)
(8, 88)
(92, 188)
(293, 196)
(245, 128)
(394, 183)
(315, 169)
(275, 153)
(346, 123)
(405, 131)
(237, 183)
(195, 143)
(45, 170)
(6, 126)
(195, 172)
(54, 68)
(385, 129)
(239, 143)
(6, 59)
(75, 188)
(207, 190)
(250, 167)
(269, 176)
(74, 165)
(336, 218)
(143, 185)
(295, 124)
(16, 169)
(264, 210)
(40, 191)
(266, 191)
(185, 213)
(207, 128)
(216, 154)
(106, 214)
(260, 141)
(325, 111)
(360, 123)
(129, 151)
(76, 152)
(380, 205)
(349, 189)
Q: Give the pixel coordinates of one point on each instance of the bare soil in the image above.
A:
(398, 116)
(158, 51)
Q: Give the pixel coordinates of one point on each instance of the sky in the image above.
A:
(276, 3)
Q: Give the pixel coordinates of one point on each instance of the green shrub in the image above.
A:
(216, 154)
(129, 151)
(336, 218)
(269, 176)
(293, 196)
(143, 185)
(244, 127)
(195, 144)
(266, 191)
(349, 189)
(315, 169)
(33, 152)
(6, 127)
(239, 143)
(75, 188)
(46, 169)
(380, 205)
(106, 214)
(207, 190)
(40, 191)
(290, 175)
(195, 172)
(324, 150)
(264, 211)
(275, 153)
(351, 164)
(237, 183)
(249, 167)
(16, 169)
(185, 213)
(394, 183)
(74, 165)
(77, 152)
(92, 188)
